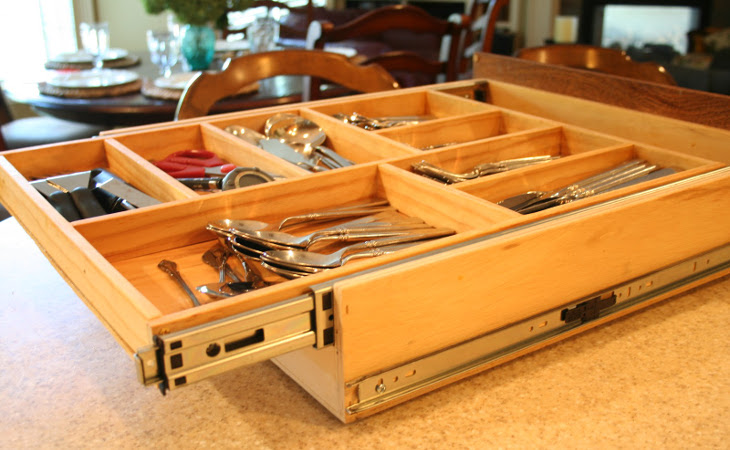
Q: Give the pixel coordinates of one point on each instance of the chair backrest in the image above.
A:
(483, 15)
(209, 87)
(389, 20)
(479, 36)
(5, 117)
(600, 59)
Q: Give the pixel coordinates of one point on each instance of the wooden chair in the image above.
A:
(41, 130)
(406, 19)
(606, 60)
(209, 87)
(479, 36)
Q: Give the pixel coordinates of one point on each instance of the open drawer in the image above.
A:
(373, 332)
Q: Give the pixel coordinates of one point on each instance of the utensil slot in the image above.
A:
(545, 181)
(463, 129)
(155, 145)
(354, 144)
(465, 161)
(115, 177)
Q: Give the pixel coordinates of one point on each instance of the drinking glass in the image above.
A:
(95, 40)
(164, 49)
(263, 34)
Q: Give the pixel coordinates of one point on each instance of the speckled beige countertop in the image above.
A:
(659, 378)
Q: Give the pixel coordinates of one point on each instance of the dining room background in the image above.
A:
(49, 27)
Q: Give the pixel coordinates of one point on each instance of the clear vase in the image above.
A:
(198, 46)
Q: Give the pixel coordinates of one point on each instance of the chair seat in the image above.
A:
(32, 131)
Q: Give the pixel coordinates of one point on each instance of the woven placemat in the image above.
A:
(110, 91)
(127, 61)
(149, 89)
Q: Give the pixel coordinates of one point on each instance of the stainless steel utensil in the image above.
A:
(379, 123)
(338, 213)
(305, 136)
(537, 201)
(433, 171)
(278, 239)
(273, 146)
(293, 259)
(225, 289)
(171, 269)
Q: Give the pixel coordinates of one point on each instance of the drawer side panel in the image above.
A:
(397, 314)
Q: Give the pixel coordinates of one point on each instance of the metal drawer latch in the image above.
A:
(588, 310)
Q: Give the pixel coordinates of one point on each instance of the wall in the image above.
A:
(128, 23)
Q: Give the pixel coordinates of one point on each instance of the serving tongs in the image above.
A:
(433, 171)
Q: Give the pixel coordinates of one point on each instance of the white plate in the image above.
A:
(221, 45)
(83, 57)
(347, 51)
(175, 81)
(92, 78)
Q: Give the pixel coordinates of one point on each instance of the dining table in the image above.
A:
(138, 108)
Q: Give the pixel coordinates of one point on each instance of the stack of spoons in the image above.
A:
(375, 229)
(294, 139)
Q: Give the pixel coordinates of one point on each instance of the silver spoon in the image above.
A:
(294, 129)
(171, 269)
(225, 289)
(342, 235)
(284, 272)
(247, 134)
(296, 258)
(292, 272)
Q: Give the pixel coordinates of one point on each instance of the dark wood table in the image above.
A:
(138, 109)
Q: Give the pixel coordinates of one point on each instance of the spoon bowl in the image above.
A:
(294, 130)
(247, 134)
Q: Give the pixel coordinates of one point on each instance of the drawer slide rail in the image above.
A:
(180, 358)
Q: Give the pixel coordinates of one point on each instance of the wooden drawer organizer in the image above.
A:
(377, 332)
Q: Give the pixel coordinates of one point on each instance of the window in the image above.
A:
(37, 30)
(630, 25)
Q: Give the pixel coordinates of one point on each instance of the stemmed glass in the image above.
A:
(95, 40)
(164, 49)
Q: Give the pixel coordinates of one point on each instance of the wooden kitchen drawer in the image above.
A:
(375, 332)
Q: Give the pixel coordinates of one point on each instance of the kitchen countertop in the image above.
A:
(659, 378)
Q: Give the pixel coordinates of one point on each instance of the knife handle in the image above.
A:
(64, 204)
(110, 202)
(86, 203)
(202, 184)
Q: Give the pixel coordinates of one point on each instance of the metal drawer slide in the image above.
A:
(184, 357)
